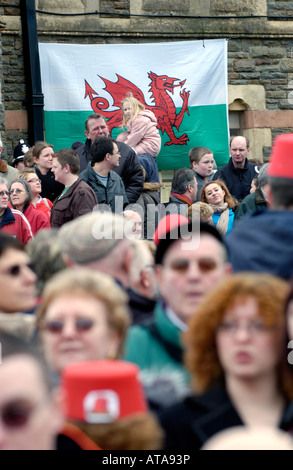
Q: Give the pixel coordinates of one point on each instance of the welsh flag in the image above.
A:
(183, 83)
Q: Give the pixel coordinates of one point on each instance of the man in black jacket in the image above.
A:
(129, 167)
(238, 172)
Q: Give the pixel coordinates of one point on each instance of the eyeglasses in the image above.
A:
(181, 266)
(16, 269)
(34, 180)
(17, 413)
(4, 193)
(17, 191)
(255, 327)
(56, 326)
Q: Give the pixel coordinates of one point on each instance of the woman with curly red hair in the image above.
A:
(234, 351)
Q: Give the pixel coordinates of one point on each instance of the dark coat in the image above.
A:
(115, 188)
(148, 200)
(78, 200)
(129, 168)
(189, 424)
(50, 187)
(262, 242)
(141, 308)
(254, 202)
(173, 206)
(237, 180)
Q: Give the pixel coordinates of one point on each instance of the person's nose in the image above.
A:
(29, 276)
(69, 329)
(193, 271)
(242, 333)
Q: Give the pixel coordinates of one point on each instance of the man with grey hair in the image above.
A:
(257, 201)
(182, 195)
(99, 241)
(6, 170)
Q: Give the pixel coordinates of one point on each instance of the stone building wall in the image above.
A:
(260, 52)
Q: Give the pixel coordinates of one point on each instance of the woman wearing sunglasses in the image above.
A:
(234, 351)
(83, 317)
(21, 199)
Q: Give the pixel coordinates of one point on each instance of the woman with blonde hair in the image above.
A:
(141, 133)
(216, 194)
(83, 316)
(234, 352)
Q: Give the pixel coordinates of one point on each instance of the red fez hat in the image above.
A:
(102, 391)
(281, 161)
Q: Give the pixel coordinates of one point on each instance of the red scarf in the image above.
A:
(182, 198)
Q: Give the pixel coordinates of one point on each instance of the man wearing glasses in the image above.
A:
(13, 221)
(190, 261)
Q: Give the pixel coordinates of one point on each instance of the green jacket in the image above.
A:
(254, 202)
(157, 349)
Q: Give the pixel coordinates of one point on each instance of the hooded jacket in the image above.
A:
(129, 168)
(142, 134)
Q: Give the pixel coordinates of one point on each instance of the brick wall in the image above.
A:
(260, 50)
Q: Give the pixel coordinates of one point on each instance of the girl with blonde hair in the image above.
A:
(141, 133)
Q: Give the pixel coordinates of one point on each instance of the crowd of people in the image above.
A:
(127, 323)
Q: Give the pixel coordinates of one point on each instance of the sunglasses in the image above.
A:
(15, 270)
(17, 413)
(17, 191)
(181, 266)
(56, 326)
(4, 193)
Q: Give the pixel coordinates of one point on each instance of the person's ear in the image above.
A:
(269, 194)
(128, 259)
(228, 269)
(68, 261)
(145, 278)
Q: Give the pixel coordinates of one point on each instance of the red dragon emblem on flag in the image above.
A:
(161, 88)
